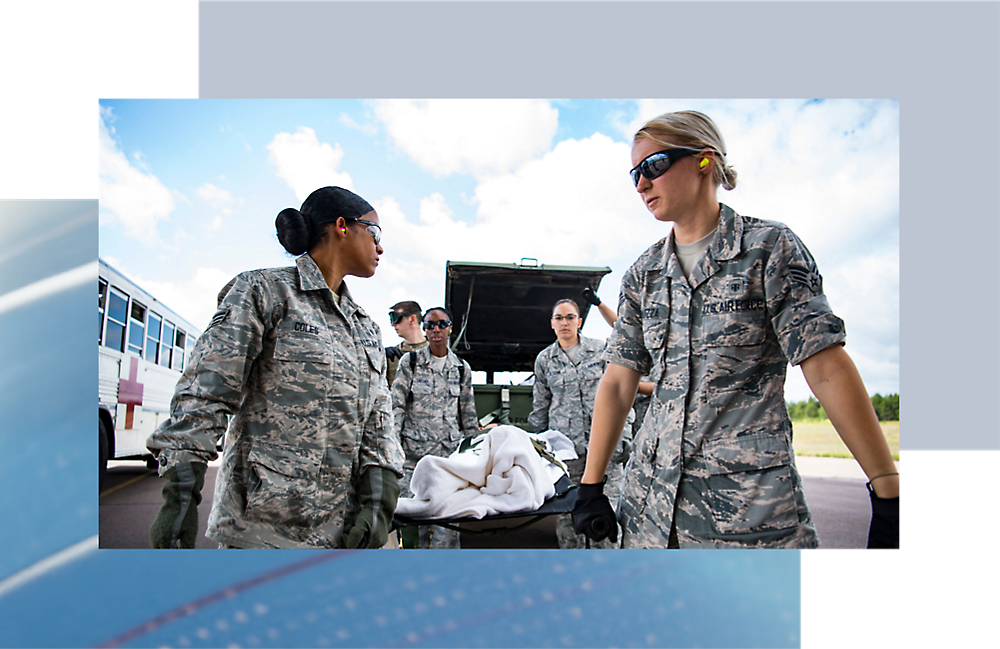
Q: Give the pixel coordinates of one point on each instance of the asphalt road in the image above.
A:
(131, 499)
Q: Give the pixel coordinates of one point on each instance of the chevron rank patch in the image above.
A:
(809, 277)
(219, 317)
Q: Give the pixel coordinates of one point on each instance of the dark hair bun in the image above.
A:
(293, 231)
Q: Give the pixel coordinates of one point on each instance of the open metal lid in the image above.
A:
(502, 311)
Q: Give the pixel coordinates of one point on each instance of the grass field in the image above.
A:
(819, 439)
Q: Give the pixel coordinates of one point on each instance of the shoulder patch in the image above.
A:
(809, 277)
(219, 317)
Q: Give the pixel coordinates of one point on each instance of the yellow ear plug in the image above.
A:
(704, 163)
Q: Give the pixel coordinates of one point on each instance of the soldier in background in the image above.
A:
(567, 373)
(405, 319)
(433, 409)
(714, 313)
(311, 459)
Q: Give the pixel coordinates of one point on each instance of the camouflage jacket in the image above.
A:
(429, 421)
(303, 379)
(714, 455)
(564, 392)
(392, 366)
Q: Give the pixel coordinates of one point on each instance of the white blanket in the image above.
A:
(502, 473)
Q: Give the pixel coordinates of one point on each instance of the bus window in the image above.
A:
(117, 308)
(137, 328)
(166, 349)
(102, 289)
(179, 351)
(153, 338)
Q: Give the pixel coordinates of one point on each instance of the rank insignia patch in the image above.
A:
(809, 277)
(219, 317)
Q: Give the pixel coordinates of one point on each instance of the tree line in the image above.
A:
(887, 408)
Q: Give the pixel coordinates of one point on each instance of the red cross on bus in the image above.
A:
(130, 391)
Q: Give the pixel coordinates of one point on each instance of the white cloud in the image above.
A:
(214, 196)
(305, 163)
(219, 199)
(473, 136)
(367, 129)
(128, 195)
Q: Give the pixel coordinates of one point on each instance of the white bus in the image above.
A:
(142, 347)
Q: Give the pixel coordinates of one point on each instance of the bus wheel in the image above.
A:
(102, 468)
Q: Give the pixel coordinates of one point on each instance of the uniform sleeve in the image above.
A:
(381, 445)
(400, 390)
(468, 419)
(626, 346)
(211, 387)
(541, 397)
(800, 314)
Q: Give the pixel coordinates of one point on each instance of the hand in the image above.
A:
(176, 524)
(393, 353)
(884, 529)
(590, 296)
(378, 494)
(593, 515)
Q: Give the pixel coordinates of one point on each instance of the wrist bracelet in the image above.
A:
(881, 475)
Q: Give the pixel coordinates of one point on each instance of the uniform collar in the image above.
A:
(729, 237)
(424, 354)
(311, 279)
(586, 344)
(725, 245)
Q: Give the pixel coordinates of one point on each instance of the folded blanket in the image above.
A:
(501, 473)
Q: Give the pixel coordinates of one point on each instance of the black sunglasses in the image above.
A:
(441, 324)
(656, 165)
(374, 229)
(395, 317)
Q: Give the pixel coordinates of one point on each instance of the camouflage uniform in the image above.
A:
(304, 381)
(563, 400)
(714, 457)
(433, 421)
(406, 347)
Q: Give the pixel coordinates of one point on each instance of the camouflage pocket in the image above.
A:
(655, 322)
(282, 485)
(750, 484)
(734, 330)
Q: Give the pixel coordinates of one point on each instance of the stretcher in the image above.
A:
(560, 503)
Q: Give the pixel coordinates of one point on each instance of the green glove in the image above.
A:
(378, 494)
(176, 525)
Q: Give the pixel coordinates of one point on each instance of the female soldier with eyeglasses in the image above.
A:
(433, 409)
(567, 373)
(311, 459)
(714, 313)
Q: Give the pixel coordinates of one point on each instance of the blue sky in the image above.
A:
(189, 190)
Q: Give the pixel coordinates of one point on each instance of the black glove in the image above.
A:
(176, 524)
(378, 494)
(393, 353)
(593, 515)
(590, 296)
(884, 529)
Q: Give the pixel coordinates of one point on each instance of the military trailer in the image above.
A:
(502, 321)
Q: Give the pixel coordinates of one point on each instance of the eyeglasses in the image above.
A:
(568, 318)
(441, 324)
(655, 165)
(374, 229)
(395, 317)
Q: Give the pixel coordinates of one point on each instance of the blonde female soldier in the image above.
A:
(311, 459)
(714, 312)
